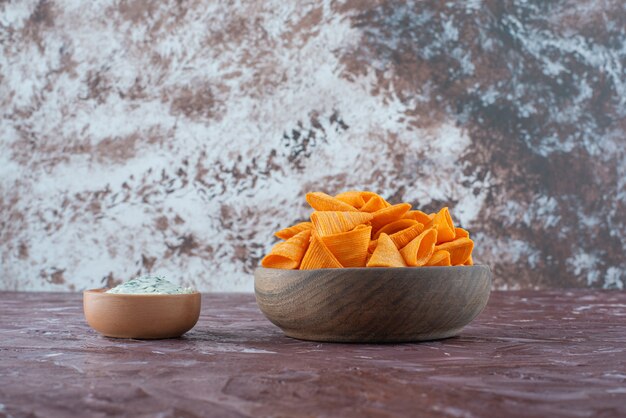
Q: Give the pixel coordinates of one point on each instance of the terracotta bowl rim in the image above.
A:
(352, 269)
(102, 291)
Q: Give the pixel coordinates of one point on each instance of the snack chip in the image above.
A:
(350, 248)
(417, 252)
(293, 230)
(318, 256)
(332, 222)
(288, 254)
(361, 229)
(439, 258)
(386, 254)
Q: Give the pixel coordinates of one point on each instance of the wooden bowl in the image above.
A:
(373, 305)
(140, 316)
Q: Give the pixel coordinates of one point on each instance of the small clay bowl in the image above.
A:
(373, 305)
(141, 316)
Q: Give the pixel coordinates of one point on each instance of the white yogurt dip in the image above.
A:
(154, 285)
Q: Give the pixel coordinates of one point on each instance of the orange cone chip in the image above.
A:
(293, 230)
(328, 223)
(317, 256)
(288, 254)
(395, 226)
(439, 258)
(461, 233)
(375, 203)
(386, 254)
(353, 198)
(420, 249)
(360, 228)
(392, 213)
(444, 225)
(350, 248)
(367, 195)
(460, 250)
(402, 238)
(418, 215)
(322, 202)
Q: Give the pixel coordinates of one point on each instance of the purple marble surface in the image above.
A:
(529, 354)
(174, 137)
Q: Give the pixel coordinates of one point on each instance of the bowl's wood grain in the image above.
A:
(373, 305)
(141, 316)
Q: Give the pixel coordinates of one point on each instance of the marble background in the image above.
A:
(174, 137)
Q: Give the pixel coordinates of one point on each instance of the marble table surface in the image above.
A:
(530, 353)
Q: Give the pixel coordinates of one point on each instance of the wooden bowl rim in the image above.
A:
(348, 269)
(102, 291)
